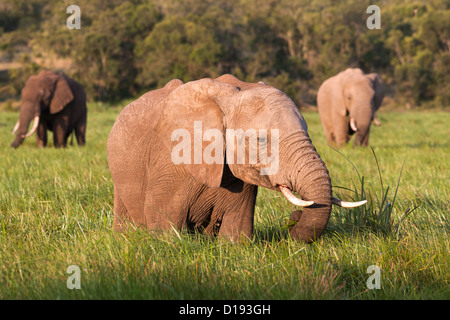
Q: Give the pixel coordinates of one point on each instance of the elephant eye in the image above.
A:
(262, 140)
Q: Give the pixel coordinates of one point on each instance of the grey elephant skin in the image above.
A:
(347, 104)
(218, 198)
(54, 102)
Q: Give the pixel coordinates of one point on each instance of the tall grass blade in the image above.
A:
(353, 165)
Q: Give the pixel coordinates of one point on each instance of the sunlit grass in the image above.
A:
(56, 210)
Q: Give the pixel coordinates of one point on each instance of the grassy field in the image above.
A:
(56, 210)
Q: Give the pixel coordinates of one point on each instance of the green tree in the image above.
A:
(128, 47)
(102, 51)
(177, 48)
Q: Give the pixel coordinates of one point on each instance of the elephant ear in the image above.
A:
(378, 87)
(62, 95)
(191, 128)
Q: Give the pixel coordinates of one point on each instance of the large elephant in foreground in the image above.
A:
(193, 155)
(347, 103)
(54, 102)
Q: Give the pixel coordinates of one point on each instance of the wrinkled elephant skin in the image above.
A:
(167, 177)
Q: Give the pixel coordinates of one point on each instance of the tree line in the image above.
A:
(125, 48)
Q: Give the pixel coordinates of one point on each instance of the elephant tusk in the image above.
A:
(346, 204)
(15, 127)
(353, 124)
(33, 129)
(287, 193)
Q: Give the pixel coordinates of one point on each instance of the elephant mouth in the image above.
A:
(289, 195)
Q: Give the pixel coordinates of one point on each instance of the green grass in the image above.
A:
(56, 210)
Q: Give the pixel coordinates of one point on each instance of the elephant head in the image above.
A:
(362, 96)
(46, 92)
(224, 115)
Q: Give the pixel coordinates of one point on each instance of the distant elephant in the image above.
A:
(54, 102)
(207, 186)
(347, 103)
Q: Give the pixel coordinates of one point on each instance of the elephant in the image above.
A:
(347, 104)
(54, 102)
(213, 190)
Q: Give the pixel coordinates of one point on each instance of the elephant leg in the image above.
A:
(59, 135)
(327, 126)
(162, 216)
(121, 216)
(80, 131)
(67, 136)
(238, 213)
(340, 125)
(41, 135)
(342, 140)
(331, 140)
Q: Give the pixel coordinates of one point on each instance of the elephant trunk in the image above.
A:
(313, 219)
(362, 135)
(25, 118)
(310, 179)
(360, 119)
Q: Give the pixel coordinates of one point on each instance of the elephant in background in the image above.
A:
(215, 196)
(347, 104)
(54, 102)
